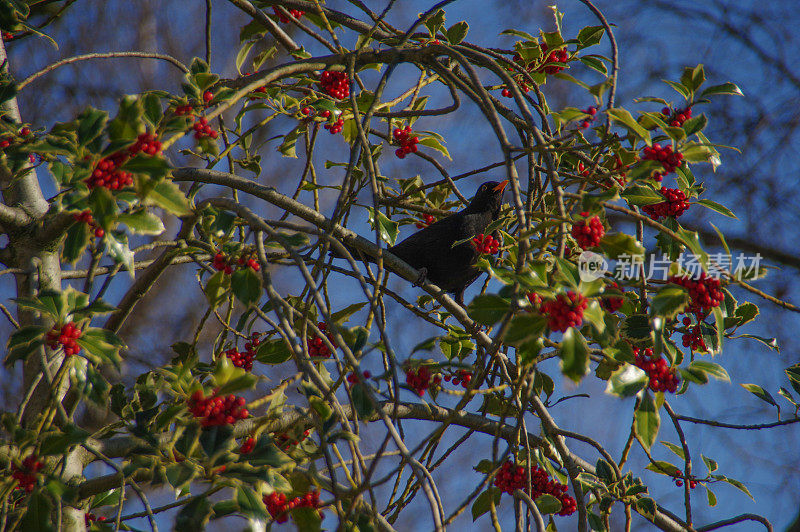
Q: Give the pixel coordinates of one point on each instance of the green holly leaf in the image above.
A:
(246, 285)
(624, 117)
(194, 515)
(647, 421)
(627, 381)
(574, 354)
(457, 32)
(760, 392)
(168, 196)
(90, 125)
(484, 502)
(724, 88)
(216, 289)
(523, 328)
(141, 222)
(387, 229)
(669, 301)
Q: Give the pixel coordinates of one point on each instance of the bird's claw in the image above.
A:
(423, 274)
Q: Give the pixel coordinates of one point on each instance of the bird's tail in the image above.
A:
(357, 255)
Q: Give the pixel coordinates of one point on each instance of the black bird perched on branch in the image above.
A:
(431, 249)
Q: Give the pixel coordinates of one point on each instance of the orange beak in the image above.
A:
(501, 186)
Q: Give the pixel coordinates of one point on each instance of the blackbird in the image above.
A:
(431, 250)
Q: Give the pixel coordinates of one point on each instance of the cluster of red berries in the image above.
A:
(675, 205)
(250, 262)
(335, 84)
(354, 378)
(26, 475)
(86, 217)
(704, 292)
(462, 377)
(511, 477)
(248, 445)
(67, 335)
(222, 263)
(182, 110)
(662, 377)
(486, 244)
(693, 337)
(146, 143)
(408, 144)
(679, 483)
(203, 130)
(678, 117)
(555, 56)
(519, 79)
(588, 231)
(5, 143)
(316, 346)
(107, 173)
(612, 304)
(336, 127)
(278, 505)
(583, 170)
(420, 379)
(8, 36)
(427, 219)
(213, 411)
(565, 311)
(621, 171)
(586, 122)
(89, 518)
(244, 359)
(669, 160)
(296, 13)
(285, 442)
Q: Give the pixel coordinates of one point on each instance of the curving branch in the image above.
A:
(102, 55)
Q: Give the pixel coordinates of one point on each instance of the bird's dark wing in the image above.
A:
(443, 232)
(432, 248)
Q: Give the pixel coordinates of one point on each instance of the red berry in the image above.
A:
(208, 96)
(512, 477)
(612, 304)
(565, 311)
(335, 84)
(589, 232)
(675, 204)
